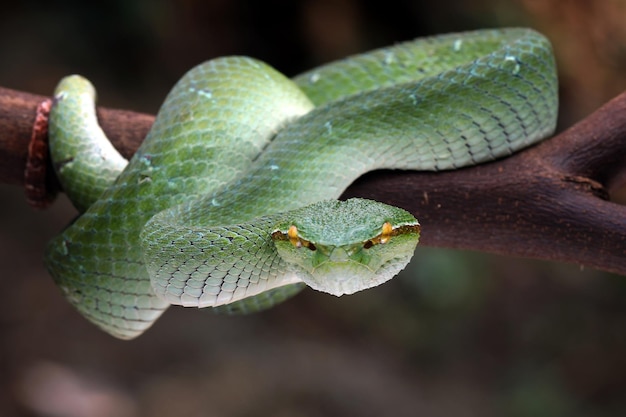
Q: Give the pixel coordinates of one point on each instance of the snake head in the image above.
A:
(341, 247)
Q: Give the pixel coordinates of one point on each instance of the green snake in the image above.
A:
(231, 200)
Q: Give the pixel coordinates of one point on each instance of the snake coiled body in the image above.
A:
(222, 204)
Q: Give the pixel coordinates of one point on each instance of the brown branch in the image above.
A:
(547, 202)
(18, 110)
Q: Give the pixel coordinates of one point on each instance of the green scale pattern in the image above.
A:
(199, 211)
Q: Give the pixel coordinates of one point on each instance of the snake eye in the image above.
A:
(383, 237)
(292, 233)
(297, 241)
(386, 232)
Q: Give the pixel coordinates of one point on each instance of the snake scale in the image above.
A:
(231, 200)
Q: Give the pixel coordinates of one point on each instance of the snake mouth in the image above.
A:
(339, 278)
(348, 277)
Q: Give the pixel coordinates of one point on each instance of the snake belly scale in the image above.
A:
(230, 202)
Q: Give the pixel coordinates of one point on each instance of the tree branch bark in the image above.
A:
(548, 202)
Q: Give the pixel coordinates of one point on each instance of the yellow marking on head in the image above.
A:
(293, 236)
(386, 233)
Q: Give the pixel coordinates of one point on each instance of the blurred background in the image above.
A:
(457, 334)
